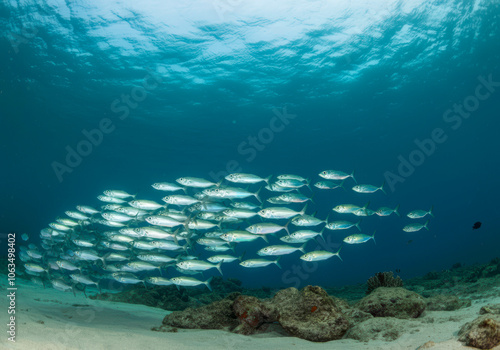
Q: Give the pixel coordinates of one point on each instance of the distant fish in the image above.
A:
(195, 182)
(25, 237)
(118, 194)
(415, 227)
(319, 255)
(359, 238)
(348, 208)
(307, 220)
(328, 185)
(292, 177)
(384, 211)
(246, 178)
(280, 250)
(474, 227)
(368, 188)
(189, 282)
(252, 263)
(167, 186)
(342, 225)
(418, 214)
(336, 175)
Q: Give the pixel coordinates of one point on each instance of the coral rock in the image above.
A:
(490, 309)
(252, 313)
(446, 303)
(482, 333)
(386, 329)
(218, 315)
(393, 302)
(310, 314)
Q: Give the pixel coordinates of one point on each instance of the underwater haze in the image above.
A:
(106, 95)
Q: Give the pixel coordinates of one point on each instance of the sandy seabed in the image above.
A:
(49, 319)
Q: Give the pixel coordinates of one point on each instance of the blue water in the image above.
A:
(360, 83)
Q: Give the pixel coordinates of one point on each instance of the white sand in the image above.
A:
(52, 322)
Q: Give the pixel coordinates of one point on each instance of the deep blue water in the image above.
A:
(361, 84)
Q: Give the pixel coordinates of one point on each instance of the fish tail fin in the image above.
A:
(311, 198)
(219, 183)
(218, 267)
(277, 262)
(373, 237)
(185, 190)
(338, 254)
(396, 210)
(321, 234)
(232, 248)
(303, 211)
(357, 225)
(430, 211)
(366, 205)
(425, 225)
(342, 185)
(242, 255)
(286, 226)
(267, 179)
(256, 194)
(265, 238)
(308, 184)
(382, 187)
(352, 175)
(327, 219)
(207, 283)
(303, 247)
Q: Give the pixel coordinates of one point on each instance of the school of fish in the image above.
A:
(132, 240)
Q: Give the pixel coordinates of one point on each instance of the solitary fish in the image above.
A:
(319, 255)
(336, 175)
(415, 227)
(418, 214)
(359, 238)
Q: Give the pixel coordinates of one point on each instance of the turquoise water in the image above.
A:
(206, 88)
